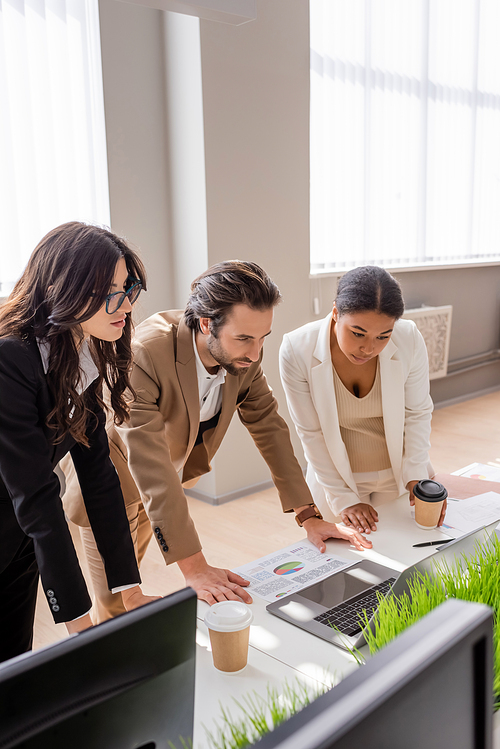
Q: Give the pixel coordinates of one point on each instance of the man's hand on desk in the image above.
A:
(410, 486)
(213, 584)
(318, 531)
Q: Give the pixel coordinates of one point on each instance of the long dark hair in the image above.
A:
(65, 283)
(369, 289)
(218, 289)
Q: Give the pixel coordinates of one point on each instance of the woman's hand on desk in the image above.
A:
(362, 517)
(318, 531)
(443, 512)
(213, 584)
(410, 486)
(78, 625)
(134, 597)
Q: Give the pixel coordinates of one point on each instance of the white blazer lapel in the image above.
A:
(323, 395)
(393, 406)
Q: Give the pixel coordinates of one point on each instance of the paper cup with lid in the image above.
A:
(228, 624)
(429, 497)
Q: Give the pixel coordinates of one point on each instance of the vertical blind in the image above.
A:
(52, 137)
(405, 132)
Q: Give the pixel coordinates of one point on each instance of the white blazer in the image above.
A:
(307, 375)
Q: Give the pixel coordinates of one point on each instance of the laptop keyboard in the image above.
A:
(345, 616)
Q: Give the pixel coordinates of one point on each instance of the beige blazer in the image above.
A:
(307, 375)
(154, 452)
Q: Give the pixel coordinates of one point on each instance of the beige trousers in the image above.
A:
(106, 604)
(375, 488)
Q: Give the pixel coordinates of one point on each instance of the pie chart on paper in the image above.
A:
(288, 568)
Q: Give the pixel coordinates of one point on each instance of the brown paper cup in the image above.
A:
(228, 623)
(427, 514)
(230, 649)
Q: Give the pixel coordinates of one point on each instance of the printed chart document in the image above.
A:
(465, 515)
(289, 570)
(484, 471)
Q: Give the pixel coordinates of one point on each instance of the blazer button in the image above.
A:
(52, 600)
(157, 531)
(55, 607)
(50, 593)
(165, 548)
(160, 537)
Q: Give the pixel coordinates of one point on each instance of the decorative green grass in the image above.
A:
(470, 578)
(261, 714)
(184, 743)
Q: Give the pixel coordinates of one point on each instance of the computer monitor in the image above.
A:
(432, 687)
(127, 683)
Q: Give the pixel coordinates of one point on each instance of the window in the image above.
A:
(52, 136)
(405, 123)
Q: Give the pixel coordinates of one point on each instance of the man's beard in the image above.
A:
(221, 357)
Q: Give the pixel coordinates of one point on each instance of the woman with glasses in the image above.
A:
(65, 332)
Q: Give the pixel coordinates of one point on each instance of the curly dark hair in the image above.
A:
(65, 283)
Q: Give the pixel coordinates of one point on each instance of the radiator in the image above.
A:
(435, 325)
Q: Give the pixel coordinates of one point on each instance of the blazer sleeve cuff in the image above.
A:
(81, 616)
(342, 502)
(417, 472)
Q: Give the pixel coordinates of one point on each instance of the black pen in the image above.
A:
(434, 543)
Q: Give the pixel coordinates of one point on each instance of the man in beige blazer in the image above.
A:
(192, 370)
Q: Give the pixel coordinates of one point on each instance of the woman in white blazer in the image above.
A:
(357, 386)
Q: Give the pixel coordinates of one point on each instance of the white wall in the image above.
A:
(255, 103)
(186, 153)
(255, 88)
(132, 47)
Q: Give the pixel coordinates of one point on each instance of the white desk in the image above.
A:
(280, 651)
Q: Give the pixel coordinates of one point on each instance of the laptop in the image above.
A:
(330, 609)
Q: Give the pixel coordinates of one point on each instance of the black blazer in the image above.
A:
(28, 455)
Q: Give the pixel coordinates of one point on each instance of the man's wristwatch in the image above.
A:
(310, 512)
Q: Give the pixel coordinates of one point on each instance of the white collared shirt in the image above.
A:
(89, 371)
(209, 387)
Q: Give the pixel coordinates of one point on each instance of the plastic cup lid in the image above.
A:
(430, 491)
(228, 616)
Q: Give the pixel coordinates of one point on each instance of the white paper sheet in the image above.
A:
(465, 515)
(289, 570)
(480, 471)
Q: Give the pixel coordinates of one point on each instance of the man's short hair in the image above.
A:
(218, 289)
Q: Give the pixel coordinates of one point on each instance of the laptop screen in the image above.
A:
(344, 585)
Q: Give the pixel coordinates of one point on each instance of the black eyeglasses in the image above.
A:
(115, 300)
